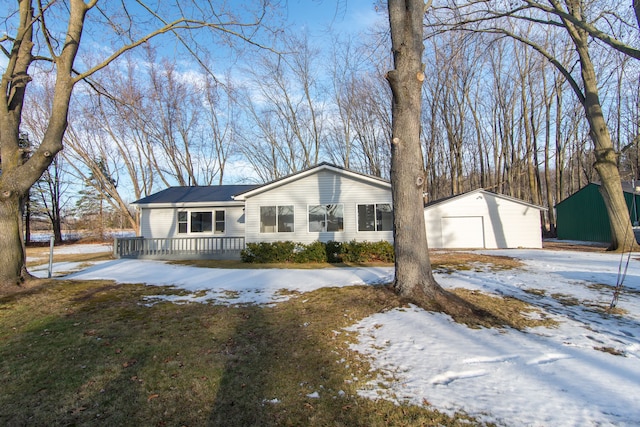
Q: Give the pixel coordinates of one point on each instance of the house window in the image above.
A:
(326, 218)
(182, 222)
(375, 217)
(220, 222)
(276, 219)
(201, 222)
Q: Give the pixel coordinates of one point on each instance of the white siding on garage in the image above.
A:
(506, 223)
(162, 222)
(321, 188)
(463, 232)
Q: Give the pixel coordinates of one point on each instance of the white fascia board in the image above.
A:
(300, 175)
(486, 193)
(513, 199)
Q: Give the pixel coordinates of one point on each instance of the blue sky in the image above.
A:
(321, 17)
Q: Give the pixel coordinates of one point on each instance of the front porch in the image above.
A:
(178, 248)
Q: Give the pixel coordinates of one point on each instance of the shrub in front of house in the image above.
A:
(358, 252)
(333, 252)
(313, 252)
(265, 252)
(383, 251)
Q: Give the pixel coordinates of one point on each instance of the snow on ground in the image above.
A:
(236, 286)
(61, 268)
(539, 377)
(89, 248)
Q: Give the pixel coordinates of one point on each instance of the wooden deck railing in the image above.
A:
(179, 247)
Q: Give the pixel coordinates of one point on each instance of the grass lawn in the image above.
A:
(87, 353)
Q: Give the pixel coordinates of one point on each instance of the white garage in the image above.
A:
(482, 219)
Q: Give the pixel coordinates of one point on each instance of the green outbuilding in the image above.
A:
(583, 215)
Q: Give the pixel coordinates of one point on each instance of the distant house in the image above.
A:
(583, 215)
(322, 203)
(482, 219)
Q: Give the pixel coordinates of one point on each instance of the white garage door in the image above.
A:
(462, 232)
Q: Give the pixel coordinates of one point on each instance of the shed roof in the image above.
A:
(211, 193)
(485, 192)
(627, 187)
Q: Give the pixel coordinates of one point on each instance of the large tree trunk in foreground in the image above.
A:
(19, 175)
(413, 276)
(11, 245)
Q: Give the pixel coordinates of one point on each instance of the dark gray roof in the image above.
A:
(213, 193)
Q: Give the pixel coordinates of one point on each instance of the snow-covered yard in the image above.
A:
(562, 376)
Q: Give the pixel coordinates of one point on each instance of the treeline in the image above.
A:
(497, 115)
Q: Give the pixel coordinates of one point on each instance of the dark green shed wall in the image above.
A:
(583, 216)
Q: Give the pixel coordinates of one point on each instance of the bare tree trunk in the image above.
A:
(547, 164)
(18, 177)
(413, 268)
(413, 278)
(622, 236)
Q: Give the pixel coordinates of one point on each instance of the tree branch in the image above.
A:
(552, 59)
(589, 28)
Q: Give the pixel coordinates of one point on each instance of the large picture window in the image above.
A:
(326, 218)
(276, 219)
(375, 217)
(201, 222)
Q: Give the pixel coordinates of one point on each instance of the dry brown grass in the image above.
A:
(86, 353)
(559, 245)
(507, 311)
(454, 260)
(75, 353)
(450, 260)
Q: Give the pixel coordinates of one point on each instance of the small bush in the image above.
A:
(382, 251)
(334, 251)
(265, 252)
(359, 252)
(313, 252)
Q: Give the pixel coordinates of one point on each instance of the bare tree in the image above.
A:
(413, 275)
(32, 29)
(580, 24)
(360, 126)
(286, 110)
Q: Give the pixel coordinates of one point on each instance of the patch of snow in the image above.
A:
(231, 286)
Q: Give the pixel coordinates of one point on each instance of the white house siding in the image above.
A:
(162, 222)
(504, 223)
(323, 187)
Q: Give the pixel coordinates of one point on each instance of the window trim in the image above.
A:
(188, 222)
(375, 219)
(277, 215)
(185, 221)
(326, 221)
(201, 214)
(215, 221)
